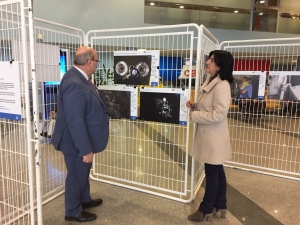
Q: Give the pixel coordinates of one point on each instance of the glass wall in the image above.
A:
(289, 19)
(228, 14)
(265, 15)
(280, 16)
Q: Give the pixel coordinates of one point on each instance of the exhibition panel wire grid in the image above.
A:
(22, 142)
(55, 47)
(208, 43)
(265, 132)
(150, 156)
(16, 170)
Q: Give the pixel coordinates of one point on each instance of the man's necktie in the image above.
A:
(93, 86)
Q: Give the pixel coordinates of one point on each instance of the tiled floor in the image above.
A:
(253, 199)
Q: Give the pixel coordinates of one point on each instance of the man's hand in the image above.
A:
(88, 158)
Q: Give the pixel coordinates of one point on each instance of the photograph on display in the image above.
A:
(160, 107)
(245, 86)
(283, 86)
(117, 103)
(132, 69)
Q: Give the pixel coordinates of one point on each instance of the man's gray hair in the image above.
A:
(80, 59)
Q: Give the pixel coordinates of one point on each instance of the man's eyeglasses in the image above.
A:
(96, 60)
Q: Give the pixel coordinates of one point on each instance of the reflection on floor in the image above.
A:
(253, 199)
(153, 157)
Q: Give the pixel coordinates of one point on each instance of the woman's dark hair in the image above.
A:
(224, 60)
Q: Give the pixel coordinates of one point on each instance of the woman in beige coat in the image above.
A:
(211, 142)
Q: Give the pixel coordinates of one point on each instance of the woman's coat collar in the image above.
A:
(210, 85)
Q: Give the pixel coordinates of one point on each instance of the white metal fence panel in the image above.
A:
(265, 132)
(16, 171)
(147, 156)
(55, 46)
(207, 44)
(152, 157)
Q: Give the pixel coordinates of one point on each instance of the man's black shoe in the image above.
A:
(82, 217)
(93, 203)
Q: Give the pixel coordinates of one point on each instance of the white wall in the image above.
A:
(108, 14)
(92, 14)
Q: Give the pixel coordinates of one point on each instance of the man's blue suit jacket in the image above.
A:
(82, 121)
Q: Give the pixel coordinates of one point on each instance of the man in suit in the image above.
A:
(81, 130)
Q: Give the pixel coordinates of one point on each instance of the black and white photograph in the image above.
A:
(160, 107)
(117, 103)
(283, 86)
(132, 69)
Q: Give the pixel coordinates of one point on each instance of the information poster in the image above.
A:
(165, 105)
(136, 67)
(248, 84)
(284, 85)
(10, 98)
(121, 101)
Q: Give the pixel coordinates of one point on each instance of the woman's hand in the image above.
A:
(190, 104)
